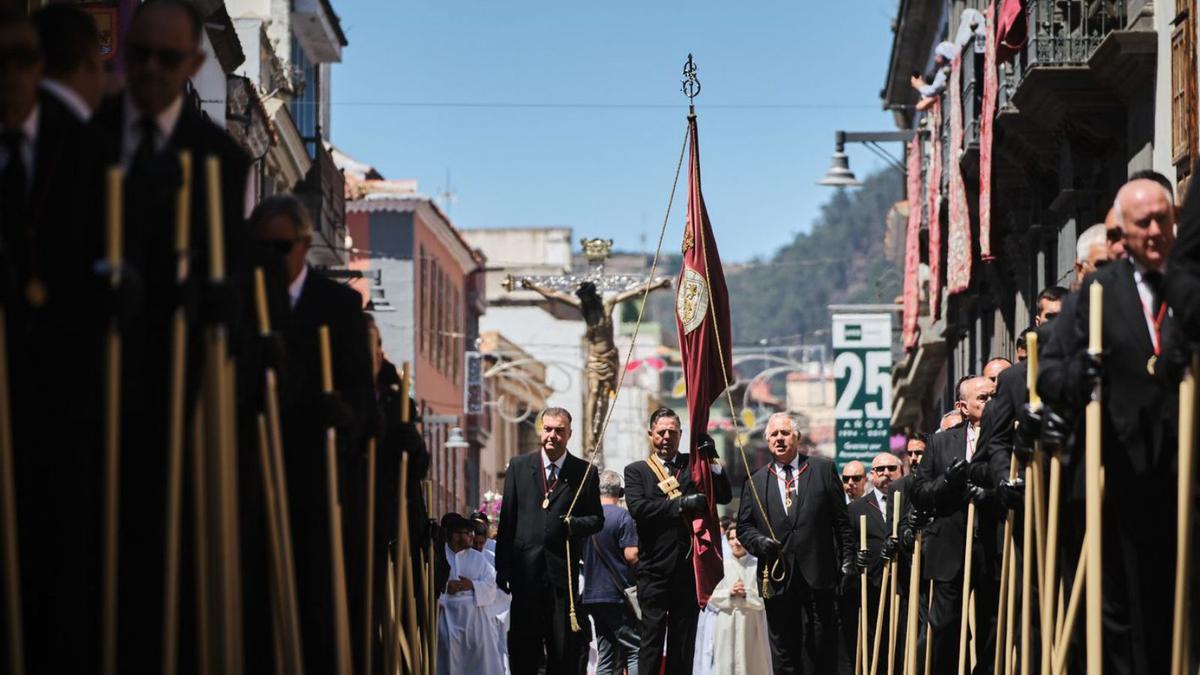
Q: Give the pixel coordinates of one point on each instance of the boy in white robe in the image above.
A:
(736, 618)
(468, 641)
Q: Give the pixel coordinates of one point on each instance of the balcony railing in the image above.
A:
(1067, 32)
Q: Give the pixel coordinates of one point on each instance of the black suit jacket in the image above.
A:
(1183, 272)
(945, 538)
(877, 531)
(817, 538)
(1140, 410)
(531, 545)
(664, 535)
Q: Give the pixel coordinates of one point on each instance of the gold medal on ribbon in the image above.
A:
(1151, 363)
(787, 503)
(546, 503)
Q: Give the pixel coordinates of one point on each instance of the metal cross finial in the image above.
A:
(691, 83)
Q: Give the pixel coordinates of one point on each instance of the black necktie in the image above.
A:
(1154, 280)
(13, 187)
(144, 155)
(553, 475)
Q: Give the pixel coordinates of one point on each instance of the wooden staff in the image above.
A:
(176, 421)
(1029, 527)
(1065, 631)
(1180, 647)
(200, 543)
(341, 615)
(278, 611)
(863, 617)
(369, 582)
(1010, 608)
(112, 428)
(1005, 580)
(966, 589)
(405, 565)
(1051, 574)
(279, 478)
(220, 433)
(883, 606)
(12, 566)
(430, 659)
(914, 599)
(894, 563)
(929, 631)
(1092, 462)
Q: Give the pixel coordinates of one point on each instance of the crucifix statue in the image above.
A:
(594, 293)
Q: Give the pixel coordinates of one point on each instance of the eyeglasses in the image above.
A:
(847, 479)
(284, 246)
(884, 468)
(166, 57)
(19, 56)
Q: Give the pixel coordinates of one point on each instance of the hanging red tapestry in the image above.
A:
(933, 186)
(986, 117)
(912, 244)
(958, 248)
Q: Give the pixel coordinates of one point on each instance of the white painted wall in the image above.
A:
(1164, 12)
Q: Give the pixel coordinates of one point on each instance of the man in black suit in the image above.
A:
(940, 484)
(143, 132)
(74, 74)
(878, 506)
(793, 519)
(1143, 356)
(666, 575)
(283, 223)
(532, 549)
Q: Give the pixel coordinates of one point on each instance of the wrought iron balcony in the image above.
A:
(1067, 32)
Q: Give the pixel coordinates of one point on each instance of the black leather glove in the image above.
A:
(770, 548)
(975, 493)
(693, 505)
(1091, 371)
(1029, 431)
(502, 583)
(919, 519)
(891, 546)
(956, 475)
(862, 558)
(1011, 493)
(274, 351)
(707, 447)
(1055, 428)
(119, 302)
(335, 412)
(979, 474)
(850, 568)
(566, 525)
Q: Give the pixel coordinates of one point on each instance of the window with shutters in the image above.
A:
(1183, 91)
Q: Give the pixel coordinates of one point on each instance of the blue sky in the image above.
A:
(607, 171)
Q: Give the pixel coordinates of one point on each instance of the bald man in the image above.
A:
(940, 484)
(993, 368)
(1143, 354)
(854, 480)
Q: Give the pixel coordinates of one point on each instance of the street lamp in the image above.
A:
(456, 440)
(840, 175)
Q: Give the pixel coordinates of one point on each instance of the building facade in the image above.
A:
(1042, 118)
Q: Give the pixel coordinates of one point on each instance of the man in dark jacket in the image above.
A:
(793, 519)
(551, 506)
(663, 511)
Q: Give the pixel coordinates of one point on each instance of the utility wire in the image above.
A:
(608, 106)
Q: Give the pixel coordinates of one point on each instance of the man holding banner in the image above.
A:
(665, 501)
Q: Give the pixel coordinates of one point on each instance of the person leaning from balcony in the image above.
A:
(283, 223)
(931, 87)
(801, 535)
(854, 480)
(532, 548)
(663, 500)
(943, 483)
(608, 570)
(1144, 353)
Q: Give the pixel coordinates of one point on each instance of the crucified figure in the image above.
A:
(603, 360)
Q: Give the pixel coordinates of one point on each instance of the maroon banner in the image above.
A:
(705, 345)
(912, 244)
(933, 187)
(958, 248)
(1012, 29)
(986, 118)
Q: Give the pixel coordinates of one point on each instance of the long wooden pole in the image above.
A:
(1049, 603)
(341, 614)
(897, 502)
(1010, 659)
(369, 581)
(966, 589)
(278, 610)
(914, 600)
(929, 631)
(176, 420)
(204, 656)
(1063, 639)
(1180, 637)
(883, 610)
(1006, 572)
(8, 502)
(112, 429)
(1092, 463)
(292, 637)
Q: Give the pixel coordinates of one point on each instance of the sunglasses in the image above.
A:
(20, 56)
(847, 479)
(916, 453)
(885, 468)
(284, 246)
(167, 58)
(1114, 234)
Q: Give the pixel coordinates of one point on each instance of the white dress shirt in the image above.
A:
(68, 97)
(1146, 294)
(30, 129)
(297, 287)
(781, 477)
(558, 465)
(881, 501)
